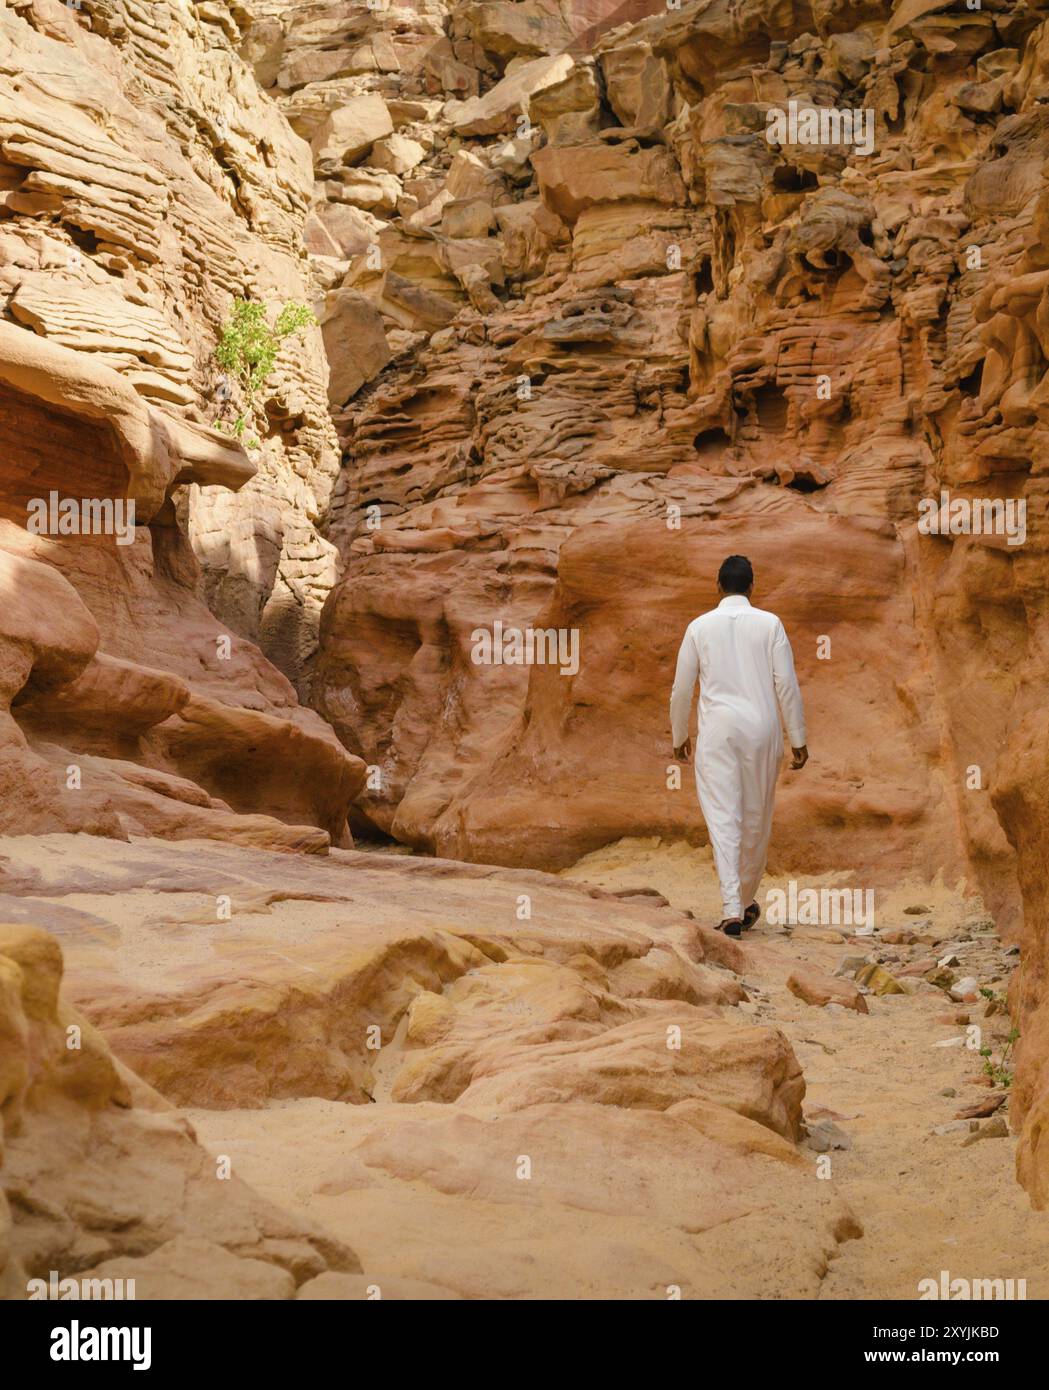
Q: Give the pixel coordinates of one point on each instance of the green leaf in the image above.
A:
(248, 345)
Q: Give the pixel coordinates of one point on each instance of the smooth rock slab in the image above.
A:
(228, 976)
(612, 1203)
(101, 1178)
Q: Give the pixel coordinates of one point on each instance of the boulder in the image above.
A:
(350, 130)
(575, 177)
(396, 153)
(355, 342)
(878, 980)
(498, 110)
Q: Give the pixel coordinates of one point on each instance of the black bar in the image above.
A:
(270, 1338)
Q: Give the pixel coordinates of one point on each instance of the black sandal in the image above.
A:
(751, 915)
(731, 926)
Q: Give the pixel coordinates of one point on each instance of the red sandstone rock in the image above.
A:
(76, 1122)
(814, 987)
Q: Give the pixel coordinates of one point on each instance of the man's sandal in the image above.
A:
(731, 926)
(751, 915)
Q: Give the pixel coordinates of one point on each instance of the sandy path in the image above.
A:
(927, 1202)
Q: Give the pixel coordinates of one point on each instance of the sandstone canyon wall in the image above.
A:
(583, 330)
(625, 334)
(146, 182)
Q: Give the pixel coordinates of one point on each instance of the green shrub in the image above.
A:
(248, 348)
(999, 1070)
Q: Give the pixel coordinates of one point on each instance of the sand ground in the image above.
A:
(927, 1202)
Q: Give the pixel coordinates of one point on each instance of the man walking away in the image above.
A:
(745, 667)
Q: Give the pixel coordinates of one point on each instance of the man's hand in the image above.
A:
(801, 757)
(684, 752)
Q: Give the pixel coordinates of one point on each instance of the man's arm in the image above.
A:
(788, 694)
(681, 695)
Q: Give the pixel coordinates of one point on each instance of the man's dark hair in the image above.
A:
(736, 574)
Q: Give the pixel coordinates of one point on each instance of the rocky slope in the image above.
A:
(582, 330)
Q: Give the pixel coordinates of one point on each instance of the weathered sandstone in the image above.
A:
(582, 330)
(813, 987)
(102, 1178)
(420, 1036)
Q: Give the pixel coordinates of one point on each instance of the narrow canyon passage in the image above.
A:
(884, 1089)
(383, 390)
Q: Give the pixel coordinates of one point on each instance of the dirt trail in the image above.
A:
(928, 1202)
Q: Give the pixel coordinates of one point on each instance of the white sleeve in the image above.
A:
(684, 685)
(788, 692)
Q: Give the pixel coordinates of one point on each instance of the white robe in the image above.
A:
(745, 667)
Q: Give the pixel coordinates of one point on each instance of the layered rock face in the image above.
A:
(144, 183)
(674, 337)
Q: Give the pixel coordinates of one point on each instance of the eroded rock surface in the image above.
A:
(144, 182)
(632, 333)
(576, 1085)
(103, 1179)
(583, 329)
(668, 338)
